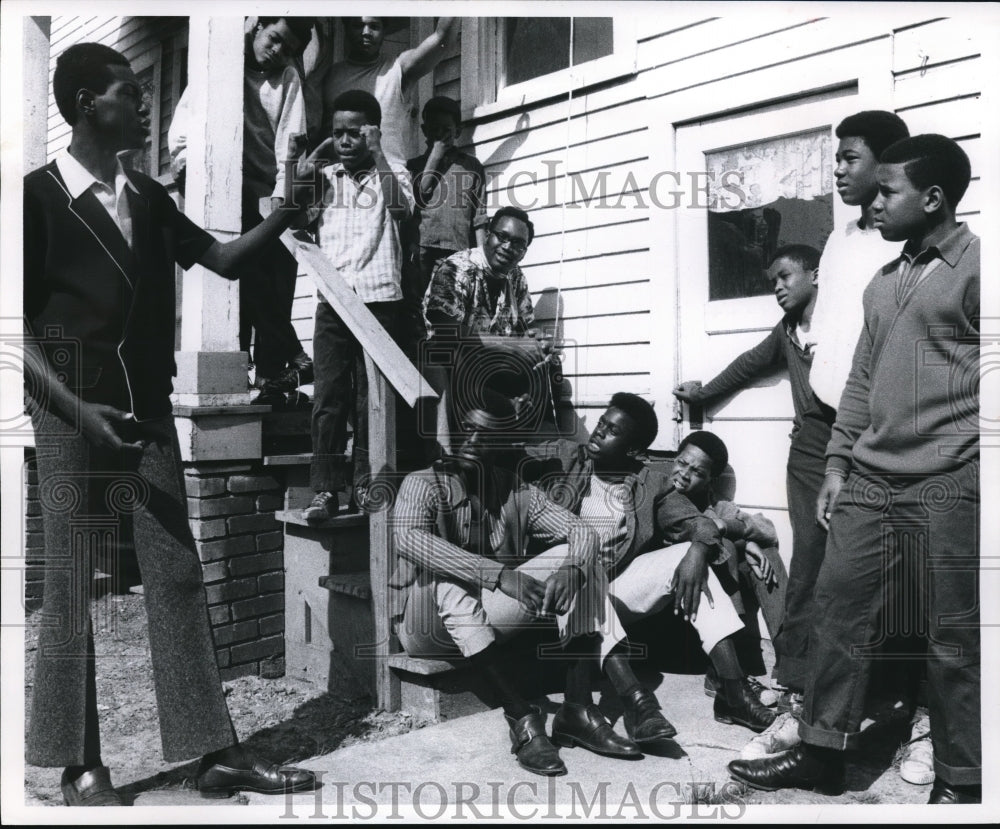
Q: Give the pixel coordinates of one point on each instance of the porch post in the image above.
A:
(211, 368)
(214, 419)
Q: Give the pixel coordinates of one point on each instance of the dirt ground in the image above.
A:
(281, 719)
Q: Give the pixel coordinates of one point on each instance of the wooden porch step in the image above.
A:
(422, 667)
(294, 516)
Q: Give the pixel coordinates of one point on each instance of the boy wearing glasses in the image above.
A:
(478, 305)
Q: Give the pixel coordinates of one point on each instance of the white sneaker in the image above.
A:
(781, 734)
(917, 763)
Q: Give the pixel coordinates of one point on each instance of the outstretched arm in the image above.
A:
(225, 257)
(420, 60)
(766, 356)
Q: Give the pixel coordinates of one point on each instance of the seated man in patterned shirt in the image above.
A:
(464, 581)
(478, 310)
(641, 519)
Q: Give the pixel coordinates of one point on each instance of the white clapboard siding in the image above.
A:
(579, 273)
(758, 450)
(580, 358)
(575, 244)
(936, 41)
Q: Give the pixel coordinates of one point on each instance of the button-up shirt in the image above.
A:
(358, 234)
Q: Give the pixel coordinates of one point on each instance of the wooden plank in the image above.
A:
(935, 42)
(610, 299)
(962, 116)
(603, 386)
(382, 450)
(375, 340)
(601, 359)
(586, 242)
(938, 83)
(580, 273)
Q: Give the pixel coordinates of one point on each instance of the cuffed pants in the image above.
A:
(879, 527)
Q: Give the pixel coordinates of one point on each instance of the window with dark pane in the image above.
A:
(536, 46)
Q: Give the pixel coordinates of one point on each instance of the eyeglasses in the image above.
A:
(516, 245)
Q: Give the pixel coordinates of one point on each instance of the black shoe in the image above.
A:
(323, 507)
(800, 767)
(531, 745)
(270, 397)
(643, 721)
(290, 378)
(747, 710)
(942, 792)
(92, 788)
(303, 365)
(585, 726)
(260, 776)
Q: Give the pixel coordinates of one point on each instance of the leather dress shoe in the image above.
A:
(747, 710)
(531, 745)
(942, 792)
(585, 726)
(92, 788)
(643, 721)
(262, 777)
(800, 767)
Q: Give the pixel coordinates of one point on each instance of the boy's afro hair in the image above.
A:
(930, 160)
(641, 411)
(876, 127)
(712, 446)
(357, 100)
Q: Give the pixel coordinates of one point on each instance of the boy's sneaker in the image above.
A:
(916, 766)
(324, 506)
(782, 734)
(789, 702)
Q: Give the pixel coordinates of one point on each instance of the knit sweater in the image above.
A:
(911, 404)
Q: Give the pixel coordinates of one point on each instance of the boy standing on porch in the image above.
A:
(365, 198)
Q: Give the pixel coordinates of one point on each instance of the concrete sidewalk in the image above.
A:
(464, 768)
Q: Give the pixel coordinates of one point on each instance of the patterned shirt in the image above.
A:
(358, 234)
(458, 290)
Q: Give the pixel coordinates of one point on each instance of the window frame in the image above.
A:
(483, 93)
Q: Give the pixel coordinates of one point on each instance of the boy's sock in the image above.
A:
(579, 684)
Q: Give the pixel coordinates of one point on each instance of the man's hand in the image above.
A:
(760, 566)
(440, 148)
(528, 590)
(827, 499)
(373, 140)
(97, 422)
(561, 588)
(690, 581)
(689, 391)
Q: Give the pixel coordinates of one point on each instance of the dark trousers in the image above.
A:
(805, 473)
(340, 392)
(883, 529)
(86, 495)
(267, 291)
(749, 594)
(416, 277)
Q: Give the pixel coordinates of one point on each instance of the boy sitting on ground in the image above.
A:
(754, 574)
(642, 520)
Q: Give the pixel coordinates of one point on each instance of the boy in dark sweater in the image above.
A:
(902, 485)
